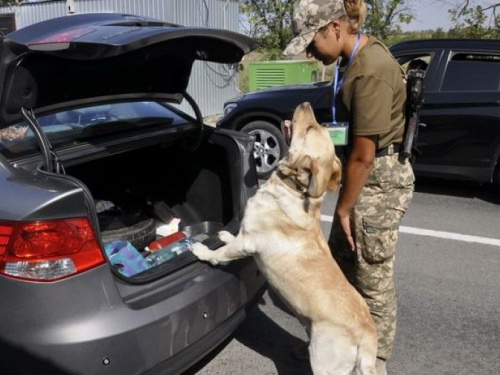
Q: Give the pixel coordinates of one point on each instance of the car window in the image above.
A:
(472, 72)
(415, 61)
(87, 123)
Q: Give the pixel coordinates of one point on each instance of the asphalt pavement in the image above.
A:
(447, 280)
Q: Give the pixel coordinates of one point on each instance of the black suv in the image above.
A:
(461, 111)
(105, 183)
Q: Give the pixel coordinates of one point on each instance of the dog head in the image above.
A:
(311, 161)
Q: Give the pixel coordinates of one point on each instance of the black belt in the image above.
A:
(389, 150)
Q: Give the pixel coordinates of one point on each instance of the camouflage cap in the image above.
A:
(308, 17)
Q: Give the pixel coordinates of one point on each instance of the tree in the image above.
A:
(439, 33)
(474, 21)
(385, 17)
(9, 2)
(269, 22)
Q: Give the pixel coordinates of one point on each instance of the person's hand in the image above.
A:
(345, 222)
(287, 129)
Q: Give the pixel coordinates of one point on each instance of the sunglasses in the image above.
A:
(310, 48)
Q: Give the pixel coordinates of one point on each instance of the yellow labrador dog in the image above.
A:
(281, 230)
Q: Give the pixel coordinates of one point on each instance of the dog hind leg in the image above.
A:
(331, 352)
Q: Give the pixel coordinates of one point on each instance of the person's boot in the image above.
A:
(301, 352)
(381, 366)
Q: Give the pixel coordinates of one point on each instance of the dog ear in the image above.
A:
(334, 183)
(322, 179)
(309, 173)
(319, 179)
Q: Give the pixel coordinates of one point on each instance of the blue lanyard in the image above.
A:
(337, 85)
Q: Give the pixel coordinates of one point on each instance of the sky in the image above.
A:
(431, 14)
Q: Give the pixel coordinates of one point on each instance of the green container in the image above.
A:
(264, 74)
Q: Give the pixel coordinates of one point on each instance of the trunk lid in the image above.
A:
(91, 57)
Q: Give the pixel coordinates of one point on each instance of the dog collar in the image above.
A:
(291, 183)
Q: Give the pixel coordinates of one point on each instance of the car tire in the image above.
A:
(119, 219)
(270, 146)
(140, 235)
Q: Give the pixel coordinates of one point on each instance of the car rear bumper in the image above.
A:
(185, 359)
(94, 330)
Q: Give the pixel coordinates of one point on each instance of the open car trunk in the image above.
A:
(155, 191)
(54, 71)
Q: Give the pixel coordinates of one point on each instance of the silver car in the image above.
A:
(104, 185)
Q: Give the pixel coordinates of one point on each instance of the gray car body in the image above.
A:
(97, 322)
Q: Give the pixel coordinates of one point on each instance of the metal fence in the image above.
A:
(211, 84)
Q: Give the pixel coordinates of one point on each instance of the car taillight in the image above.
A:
(59, 41)
(48, 250)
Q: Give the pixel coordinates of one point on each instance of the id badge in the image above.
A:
(338, 132)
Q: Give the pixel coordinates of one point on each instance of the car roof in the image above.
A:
(88, 57)
(475, 44)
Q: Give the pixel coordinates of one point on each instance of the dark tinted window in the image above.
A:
(414, 61)
(472, 72)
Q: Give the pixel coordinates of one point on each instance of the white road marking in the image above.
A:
(438, 234)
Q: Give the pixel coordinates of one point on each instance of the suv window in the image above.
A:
(472, 72)
(414, 61)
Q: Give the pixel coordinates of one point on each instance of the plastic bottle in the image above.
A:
(164, 241)
(170, 251)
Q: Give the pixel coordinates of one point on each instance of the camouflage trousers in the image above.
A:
(376, 217)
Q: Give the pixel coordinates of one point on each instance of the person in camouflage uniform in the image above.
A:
(370, 95)
(376, 217)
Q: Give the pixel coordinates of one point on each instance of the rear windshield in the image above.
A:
(85, 124)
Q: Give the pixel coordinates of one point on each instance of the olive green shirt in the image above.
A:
(372, 98)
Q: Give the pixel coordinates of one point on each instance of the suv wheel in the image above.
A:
(269, 148)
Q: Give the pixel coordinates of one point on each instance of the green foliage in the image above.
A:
(439, 33)
(473, 22)
(244, 77)
(408, 35)
(8, 2)
(385, 17)
(269, 23)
